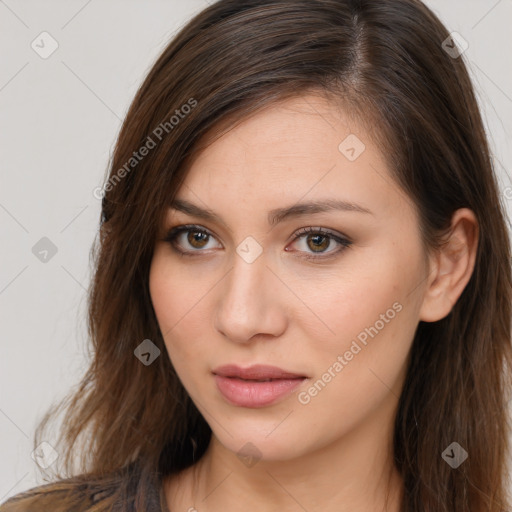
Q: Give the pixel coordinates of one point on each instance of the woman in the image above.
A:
(303, 275)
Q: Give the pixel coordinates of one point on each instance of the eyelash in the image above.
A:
(176, 231)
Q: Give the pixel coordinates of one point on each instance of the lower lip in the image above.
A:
(246, 393)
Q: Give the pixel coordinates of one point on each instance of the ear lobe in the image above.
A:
(452, 267)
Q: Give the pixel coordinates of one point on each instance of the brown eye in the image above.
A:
(319, 240)
(195, 238)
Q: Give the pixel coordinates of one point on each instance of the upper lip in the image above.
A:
(257, 371)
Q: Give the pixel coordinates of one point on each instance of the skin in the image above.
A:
(333, 453)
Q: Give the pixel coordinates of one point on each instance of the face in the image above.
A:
(329, 295)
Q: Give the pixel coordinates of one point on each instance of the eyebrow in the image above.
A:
(277, 215)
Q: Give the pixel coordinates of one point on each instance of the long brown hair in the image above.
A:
(385, 62)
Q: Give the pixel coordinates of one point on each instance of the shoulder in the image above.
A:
(84, 493)
(62, 496)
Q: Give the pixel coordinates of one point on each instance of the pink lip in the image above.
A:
(240, 386)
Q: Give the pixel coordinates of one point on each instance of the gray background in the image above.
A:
(60, 117)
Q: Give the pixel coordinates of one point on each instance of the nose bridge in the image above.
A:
(246, 306)
(246, 288)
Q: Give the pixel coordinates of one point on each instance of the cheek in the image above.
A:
(161, 289)
(341, 305)
(371, 309)
(179, 308)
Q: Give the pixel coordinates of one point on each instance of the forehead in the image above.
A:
(304, 148)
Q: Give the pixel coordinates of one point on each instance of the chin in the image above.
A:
(263, 440)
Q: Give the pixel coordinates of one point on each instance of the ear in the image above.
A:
(451, 267)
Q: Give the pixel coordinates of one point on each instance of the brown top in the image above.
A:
(127, 490)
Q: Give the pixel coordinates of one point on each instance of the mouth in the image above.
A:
(257, 372)
(256, 386)
(257, 380)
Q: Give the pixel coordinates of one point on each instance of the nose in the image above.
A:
(249, 306)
